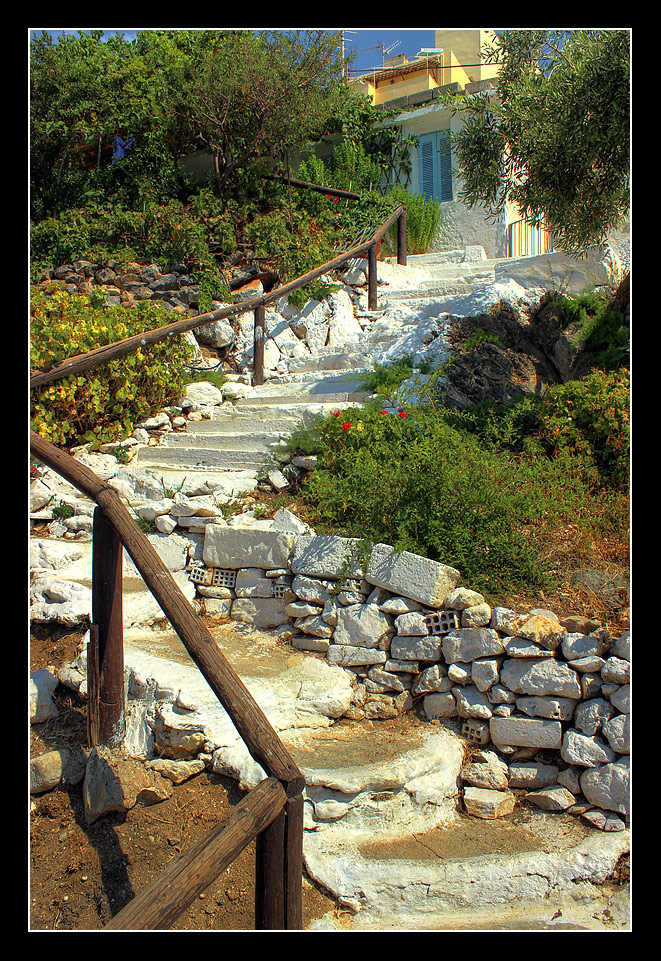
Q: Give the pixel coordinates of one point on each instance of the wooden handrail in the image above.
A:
(261, 740)
(101, 355)
(163, 901)
(273, 811)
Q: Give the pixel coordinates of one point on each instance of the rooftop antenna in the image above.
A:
(384, 50)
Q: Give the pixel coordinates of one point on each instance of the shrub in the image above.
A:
(590, 419)
(410, 480)
(422, 220)
(603, 334)
(101, 404)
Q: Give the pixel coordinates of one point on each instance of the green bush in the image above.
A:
(410, 480)
(101, 404)
(163, 234)
(590, 419)
(603, 333)
(423, 218)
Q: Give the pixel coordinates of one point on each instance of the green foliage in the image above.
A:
(603, 333)
(412, 481)
(476, 488)
(423, 218)
(590, 418)
(101, 404)
(385, 379)
(554, 140)
(161, 233)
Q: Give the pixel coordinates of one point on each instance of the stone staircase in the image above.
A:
(382, 829)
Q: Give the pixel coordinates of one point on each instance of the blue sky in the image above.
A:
(367, 44)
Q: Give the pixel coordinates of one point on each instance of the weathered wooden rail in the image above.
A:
(272, 812)
(101, 355)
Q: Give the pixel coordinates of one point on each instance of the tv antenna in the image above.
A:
(382, 47)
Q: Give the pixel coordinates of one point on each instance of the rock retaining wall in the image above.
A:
(545, 702)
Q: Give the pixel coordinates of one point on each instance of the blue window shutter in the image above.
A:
(426, 151)
(445, 159)
(434, 165)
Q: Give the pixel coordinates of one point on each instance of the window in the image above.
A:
(434, 165)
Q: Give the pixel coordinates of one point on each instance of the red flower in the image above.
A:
(345, 427)
(383, 411)
(335, 413)
(402, 414)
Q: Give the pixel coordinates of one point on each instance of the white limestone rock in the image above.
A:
(608, 786)
(232, 548)
(525, 732)
(532, 775)
(592, 714)
(419, 578)
(484, 803)
(555, 797)
(555, 708)
(363, 625)
(201, 394)
(486, 770)
(42, 687)
(585, 751)
(540, 676)
(468, 643)
(261, 612)
(617, 730)
(348, 655)
(439, 705)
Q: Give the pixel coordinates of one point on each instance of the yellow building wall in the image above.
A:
(468, 46)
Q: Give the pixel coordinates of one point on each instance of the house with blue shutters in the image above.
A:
(456, 65)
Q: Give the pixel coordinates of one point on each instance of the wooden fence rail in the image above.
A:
(272, 812)
(101, 355)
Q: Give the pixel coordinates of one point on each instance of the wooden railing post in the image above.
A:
(401, 238)
(371, 278)
(258, 351)
(279, 871)
(107, 617)
(294, 864)
(270, 876)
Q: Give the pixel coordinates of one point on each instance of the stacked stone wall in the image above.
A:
(544, 701)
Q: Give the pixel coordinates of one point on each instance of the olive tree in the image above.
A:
(554, 137)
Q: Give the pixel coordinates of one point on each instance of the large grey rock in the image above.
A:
(260, 612)
(416, 648)
(525, 732)
(362, 625)
(347, 655)
(585, 751)
(54, 768)
(419, 578)
(234, 548)
(484, 803)
(325, 555)
(468, 643)
(42, 687)
(608, 786)
(540, 676)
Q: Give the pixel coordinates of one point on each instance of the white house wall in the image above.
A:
(461, 225)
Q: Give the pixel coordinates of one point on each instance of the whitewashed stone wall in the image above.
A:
(546, 702)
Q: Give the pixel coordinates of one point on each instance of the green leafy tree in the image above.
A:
(554, 140)
(252, 96)
(85, 92)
